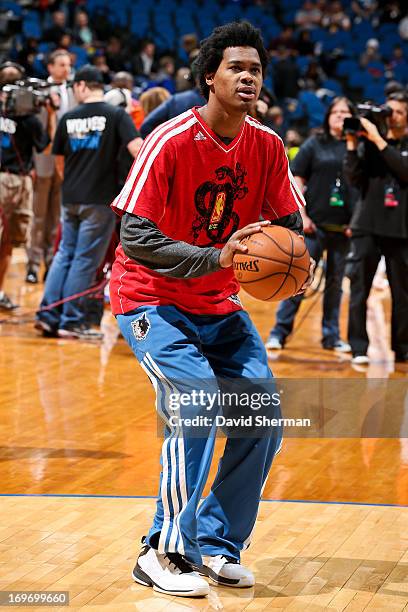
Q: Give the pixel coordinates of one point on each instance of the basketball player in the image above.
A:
(200, 184)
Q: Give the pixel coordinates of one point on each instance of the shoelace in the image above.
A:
(179, 562)
(230, 559)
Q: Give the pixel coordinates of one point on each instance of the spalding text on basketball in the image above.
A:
(248, 266)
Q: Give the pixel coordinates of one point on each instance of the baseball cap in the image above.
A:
(89, 74)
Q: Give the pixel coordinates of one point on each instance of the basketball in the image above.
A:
(275, 266)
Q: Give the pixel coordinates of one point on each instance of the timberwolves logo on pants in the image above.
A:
(140, 327)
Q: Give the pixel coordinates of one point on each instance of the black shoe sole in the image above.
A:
(141, 577)
(209, 573)
(46, 333)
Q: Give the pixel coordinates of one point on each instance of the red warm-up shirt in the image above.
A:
(197, 189)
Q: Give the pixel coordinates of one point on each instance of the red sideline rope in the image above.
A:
(30, 315)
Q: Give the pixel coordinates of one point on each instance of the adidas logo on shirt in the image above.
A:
(200, 136)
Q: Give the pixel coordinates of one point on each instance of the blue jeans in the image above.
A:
(337, 246)
(86, 232)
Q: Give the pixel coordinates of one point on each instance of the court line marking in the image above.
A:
(274, 501)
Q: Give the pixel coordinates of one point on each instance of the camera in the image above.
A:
(375, 114)
(25, 97)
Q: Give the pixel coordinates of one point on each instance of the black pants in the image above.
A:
(366, 251)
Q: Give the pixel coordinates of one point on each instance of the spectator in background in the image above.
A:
(115, 55)
(152, 98)
(99, 61)
(398, 63)
(365, 10)
(47, 184)
(308, 16)
(27, 56)
(82, 32)
(258, 111)
(391, 12)
(304, 43)
(313, 76)
(274, 119)
(329, 200)
(292, 140)
(65, 41)
(285, 39)
(183, 79)
(59, 27)
(124, 80)
(371, 53)
(189, 43)
(322, 6)
(173, 106)
(285, 75)
(165, 75)
(144, 62)
(336, 16)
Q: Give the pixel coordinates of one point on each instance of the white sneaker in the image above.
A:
(342, 347)
(273, 344)
(227, 571)
(168, 573)
(360, 360)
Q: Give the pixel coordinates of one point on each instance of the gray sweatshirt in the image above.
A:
(143, 241)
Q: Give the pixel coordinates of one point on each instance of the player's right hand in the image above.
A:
(234, 244)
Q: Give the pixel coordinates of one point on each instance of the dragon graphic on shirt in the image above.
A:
(214, 202)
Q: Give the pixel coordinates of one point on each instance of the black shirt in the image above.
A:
(18, 136)
(319, 162)
(90, 137)
(375, 172)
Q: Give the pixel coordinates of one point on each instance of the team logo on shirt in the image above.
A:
(218, 209)
(85, 132)
(141, 327)
(8, 127)
(214, 202)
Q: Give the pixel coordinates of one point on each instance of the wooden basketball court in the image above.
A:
(79, 457)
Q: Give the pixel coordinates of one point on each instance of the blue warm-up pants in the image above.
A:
(180, 351)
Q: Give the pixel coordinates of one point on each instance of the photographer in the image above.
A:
(317, 169)
(19, 133)
(47, 183)
(378, 166)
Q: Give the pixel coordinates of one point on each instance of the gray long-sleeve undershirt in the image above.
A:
(143, 241)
